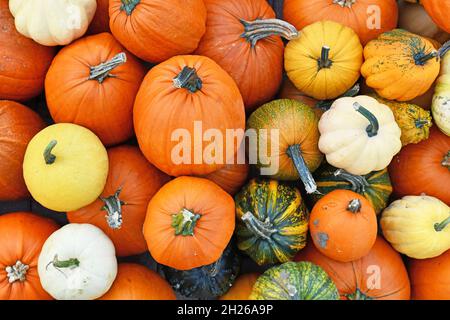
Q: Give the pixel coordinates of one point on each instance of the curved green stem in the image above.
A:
(295, 153)
(102, 71)
(129, 5)
(259, 228)
(373, 127)
(188, 79)
(113, 207)
(326, 104)
(444, 49)
(48, 156)
(446, 161)
(184, 222)
(263, 28)
(324, 61)
(344, 3)
(359, 183)
(354, 206)
(421, 57)
(441, 226)
(70, 263)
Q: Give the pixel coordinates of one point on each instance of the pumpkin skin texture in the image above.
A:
(121, 208)
(242, 287)
(272, 221)
(173, 108)
(231, 177)
(206, 282)
(22, 234)
(430, 278)
(324, 61)
(343, 208)
(103, 103)
(289, 91)
(136, 282)
(294, 281)
(438, 11)
(354, 14)
(358, 280)
(441, 99)
(158, 30)
(375, 186)
(359, 135)
(423, 168)
(289, 130)
(18, 125)
(76, 171)
(100, 22)
(24, 62)
(241, 52)
(181, 223)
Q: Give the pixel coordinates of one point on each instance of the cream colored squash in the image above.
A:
(52, 22)
(441, 99)
(359, 135)
(418, 226)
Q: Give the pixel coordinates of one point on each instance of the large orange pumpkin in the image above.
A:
(93, 82)
(23, 61)
(243, 37)
(22, 235)
(438, 10)
(136, 282)
(156, 30)
(18, 125)
(380, 275)
(179, 102)
(189, 223)
(368, 18)
(100, 22)
(242, 287)
(120, 211)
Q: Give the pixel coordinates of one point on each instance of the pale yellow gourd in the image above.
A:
(441, 99)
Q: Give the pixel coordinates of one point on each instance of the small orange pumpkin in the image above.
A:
(242, 287)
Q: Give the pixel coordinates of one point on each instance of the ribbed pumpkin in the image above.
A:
(441, 99)
(375, 186)
(272, 221)
(242, 287)
(438, 10)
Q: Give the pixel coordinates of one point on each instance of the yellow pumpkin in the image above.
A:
(441, 100)
(401, 65)
(324, 61)
(418, 226)
(65, 167)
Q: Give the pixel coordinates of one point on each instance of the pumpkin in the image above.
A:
(375, 186)
(158, 30)
(287, 129)
(24, 62)
(430, 278)
(121, 208)
(324, 61)
(136, 282)
(206, 282)
(380, 275)
(52, 22)
(100, 22)
(93, 82)
(183, 98)
(368, 18)
(414, 122)
(272, 221)
(242, 287)
(359, 135)
(22, 234)
(77, 262)
(401, 65)
(423, 168)
(358, 225)
(441, 98)
(181, 223)
(244, 38)
(418, 226)
(294, 281)
(438, 10)
(65, 167)
(18, 125)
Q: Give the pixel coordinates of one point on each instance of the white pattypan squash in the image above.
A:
(359, 135)
(52, 22)
(77, 262)
(441, 99)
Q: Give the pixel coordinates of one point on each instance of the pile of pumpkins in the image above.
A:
(358, 91)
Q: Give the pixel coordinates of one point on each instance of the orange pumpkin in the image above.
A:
(438, 11)
(100, 22)
(189, 223)
(120, 211)
(93, 82)
(22, 235)
(136, 282)
(343, 225)
(242, 287)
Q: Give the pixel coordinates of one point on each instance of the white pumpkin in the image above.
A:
(53, 22)
(77, 262)
(359, 135)
(441, 99)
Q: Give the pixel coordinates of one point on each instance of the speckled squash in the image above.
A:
(272, 221)
(441, 99)
(295, 281)
(375, 186)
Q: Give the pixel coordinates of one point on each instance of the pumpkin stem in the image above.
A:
(344, 3)
(113, 207)
(324, 61)
(444, 49)
(373, 127)
(262, 229)
(263, 28)
(354, 206)
(102, 71)
(48, 156)
(441, 226)
(295, 153)
(420, 123)
(17, 272)
(357, 295)
(359, 183)
(184, 222)
(188, 79)
(446, 161)
(326, 104)
(129, 5)
(58, 264)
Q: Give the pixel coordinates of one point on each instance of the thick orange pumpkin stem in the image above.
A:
(441, 226)
(113, 207)
(374, 126)
(261, 29)
(102, 71)
(188, 79)
(129, 5)
(262, 229)
(17, 272)
(446, 161)
(354, 206)
(324, 62)
(48, 156)
(345, 3)
(359, 183)
(184, 222)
